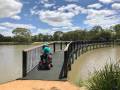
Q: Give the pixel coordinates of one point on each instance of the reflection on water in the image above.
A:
(11, 62)
(91, 60)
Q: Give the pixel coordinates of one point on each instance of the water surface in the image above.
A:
(11, 62)
(86, 64)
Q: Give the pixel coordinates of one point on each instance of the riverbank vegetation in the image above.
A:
(107, 78)
(24, 36)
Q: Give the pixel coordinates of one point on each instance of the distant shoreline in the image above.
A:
(20, 43)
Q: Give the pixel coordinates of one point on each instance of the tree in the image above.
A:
(117, 30)
(97, 29)
(1, 37)
(22, 35)
(58, 35)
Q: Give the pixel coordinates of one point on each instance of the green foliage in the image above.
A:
(22, 35)
(107, 78)
(57, 36)
(40, 37)
(117, 30)
(95, 33)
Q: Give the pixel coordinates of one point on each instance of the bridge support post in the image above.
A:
(24, 64)
(82, 51)
(72, 58)
(54, 46)
(113, 42)
(76, 54)
(65, 64)
(61, 45)
(64, 71)
(93, 46)
(79, 48)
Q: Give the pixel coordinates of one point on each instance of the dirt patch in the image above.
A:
(39, 85)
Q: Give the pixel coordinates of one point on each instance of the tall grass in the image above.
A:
(107, 78)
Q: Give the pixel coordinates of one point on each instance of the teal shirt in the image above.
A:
(47, 50)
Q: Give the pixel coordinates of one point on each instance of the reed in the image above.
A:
(107, 78)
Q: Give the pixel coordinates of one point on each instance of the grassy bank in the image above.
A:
(14, 43)
(20, 43)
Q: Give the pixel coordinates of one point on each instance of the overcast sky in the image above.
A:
(48, 16)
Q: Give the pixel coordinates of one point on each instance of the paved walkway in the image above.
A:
(52, 74)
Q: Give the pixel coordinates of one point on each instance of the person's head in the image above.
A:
(45, 45)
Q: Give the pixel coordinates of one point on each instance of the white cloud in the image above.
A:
(71, 0)
(45, 1)
(14, 25)
(60, 17)
(71, 28)
(2, 28)
(67, 28)
(106, 1)
(54, 29)
(47, 5)
(5, 31)
(116, 6)
(95, 6)
(16, 17)
(75, 9)
(9, 8)
(104, 18)
(109, 1)
(44, 31)
(56, 18)
(7, 27)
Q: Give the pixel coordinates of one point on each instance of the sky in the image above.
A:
(48, 16)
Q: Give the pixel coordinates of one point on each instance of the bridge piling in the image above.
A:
(24, 63)
(54, 47)
(60, 45)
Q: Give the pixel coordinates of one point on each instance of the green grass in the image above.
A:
(107, 78)
(37, 43)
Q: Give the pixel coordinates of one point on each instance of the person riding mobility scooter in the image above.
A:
(46, 58)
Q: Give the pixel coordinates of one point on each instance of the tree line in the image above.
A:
(95, 33)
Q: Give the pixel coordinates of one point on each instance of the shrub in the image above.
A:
(107, 78)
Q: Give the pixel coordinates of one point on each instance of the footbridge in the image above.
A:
(64, 54)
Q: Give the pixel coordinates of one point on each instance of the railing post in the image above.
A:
(82, 44)
(64, 71)
(54, 46)
(66, 43)
(86, 42)
(61, 45)
(65, 64)
(93, 45)
(76, 49)
(90, 45)
(79, 48)
(24, 64)
(113, 42)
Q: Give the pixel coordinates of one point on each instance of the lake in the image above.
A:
(86, 64)
(11, 62)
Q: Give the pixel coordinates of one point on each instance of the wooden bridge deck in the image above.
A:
(52, 74)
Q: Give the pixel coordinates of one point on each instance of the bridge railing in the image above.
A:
(31, 56)
(76, 48)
